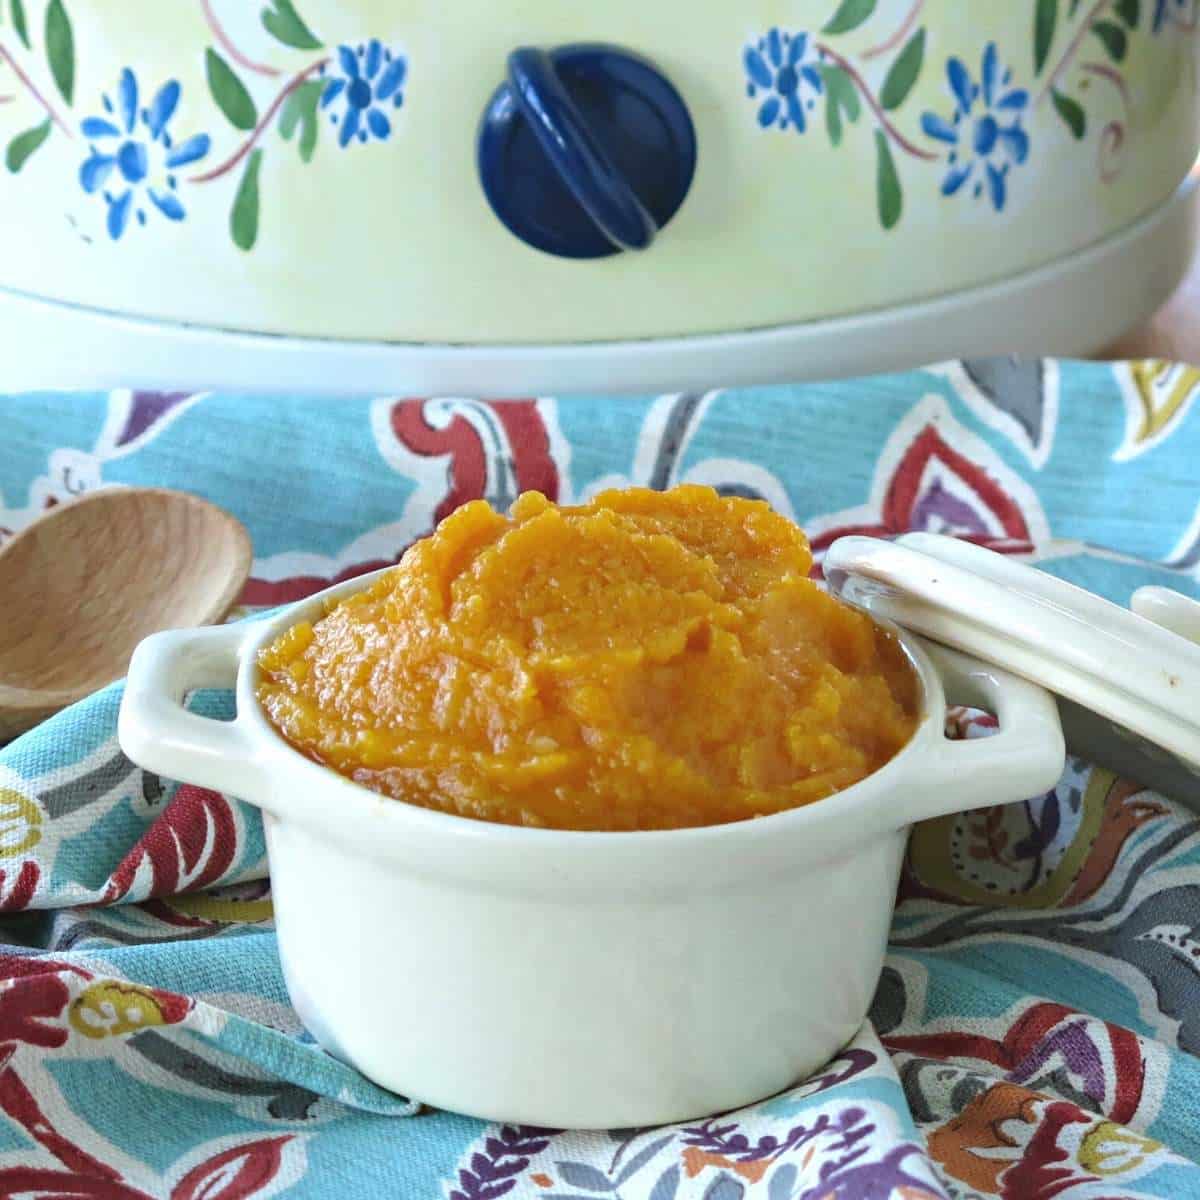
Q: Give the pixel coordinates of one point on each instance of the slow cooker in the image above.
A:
(539, 196)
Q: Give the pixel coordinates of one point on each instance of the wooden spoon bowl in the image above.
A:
(84, 584)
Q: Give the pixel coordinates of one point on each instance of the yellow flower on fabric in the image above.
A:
(1109, 1150)
(109, 1008)
(20, 823)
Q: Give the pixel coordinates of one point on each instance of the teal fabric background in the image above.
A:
(1039, 1039)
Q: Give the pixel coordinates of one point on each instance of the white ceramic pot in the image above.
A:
(314, 170)
(577, 979)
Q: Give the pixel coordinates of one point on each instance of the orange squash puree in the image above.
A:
(648, 660)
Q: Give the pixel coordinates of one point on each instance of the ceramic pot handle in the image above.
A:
(1024, 758)
(158, 733)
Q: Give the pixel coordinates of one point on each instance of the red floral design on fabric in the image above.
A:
(517, 450)
(18, 1103)
(1043, 1031)
(1039, 1174)
(233, 1174)
(190, 846)
(16, 891)
(27, 1008)
(236, 1174)
(913, 502)
(30, 1183)
(14, 966)
(934, 476)
(1005, 1142)
(522, 428)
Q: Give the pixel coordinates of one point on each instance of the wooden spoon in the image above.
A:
(84, 584)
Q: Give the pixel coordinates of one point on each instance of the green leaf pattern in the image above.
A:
(1111, 26)
(1045, 22)
(60, 49)
(904, 72)
(850, 15)
(1113, 37)
(283, 22)
(24, 145)
(841, 99)
(231, 94)
(887, 182)
(19, 22)
(1072, 113)
(300, 112)
(243, 220)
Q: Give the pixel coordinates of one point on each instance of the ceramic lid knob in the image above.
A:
(585, 151)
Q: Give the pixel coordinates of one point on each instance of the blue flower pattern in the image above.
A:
(781, 65)
(985, 132)
(370, 81)
(133, 157)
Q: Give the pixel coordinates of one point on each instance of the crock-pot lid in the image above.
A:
(1130, 669)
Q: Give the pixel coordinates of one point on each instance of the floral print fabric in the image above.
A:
(1035, 1031)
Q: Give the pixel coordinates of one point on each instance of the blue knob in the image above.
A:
(585, 150)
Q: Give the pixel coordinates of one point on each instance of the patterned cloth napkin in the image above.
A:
(1036, 1029)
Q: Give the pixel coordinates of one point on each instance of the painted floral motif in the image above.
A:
(1068, 88)
(1047, 851)
(193, 844)
(134, 158)
(110, 1009)
(356, 85)
(811, 1143)
(782, 65)
(791, 76)
(1110, 1151)
(20, 823)
(1044, 1047)
(1158, 396)
(1142, 938)
(985, 132)
(796, 71)
(936, 477)
(140, 166)
(986, 136)
(369, 83)
(454, 450)
(1034, 1038)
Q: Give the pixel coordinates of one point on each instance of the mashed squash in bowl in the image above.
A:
(648, 660)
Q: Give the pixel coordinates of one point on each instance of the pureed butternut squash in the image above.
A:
(649, 660)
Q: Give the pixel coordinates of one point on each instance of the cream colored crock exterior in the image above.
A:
(393, 239)
(577, 979)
